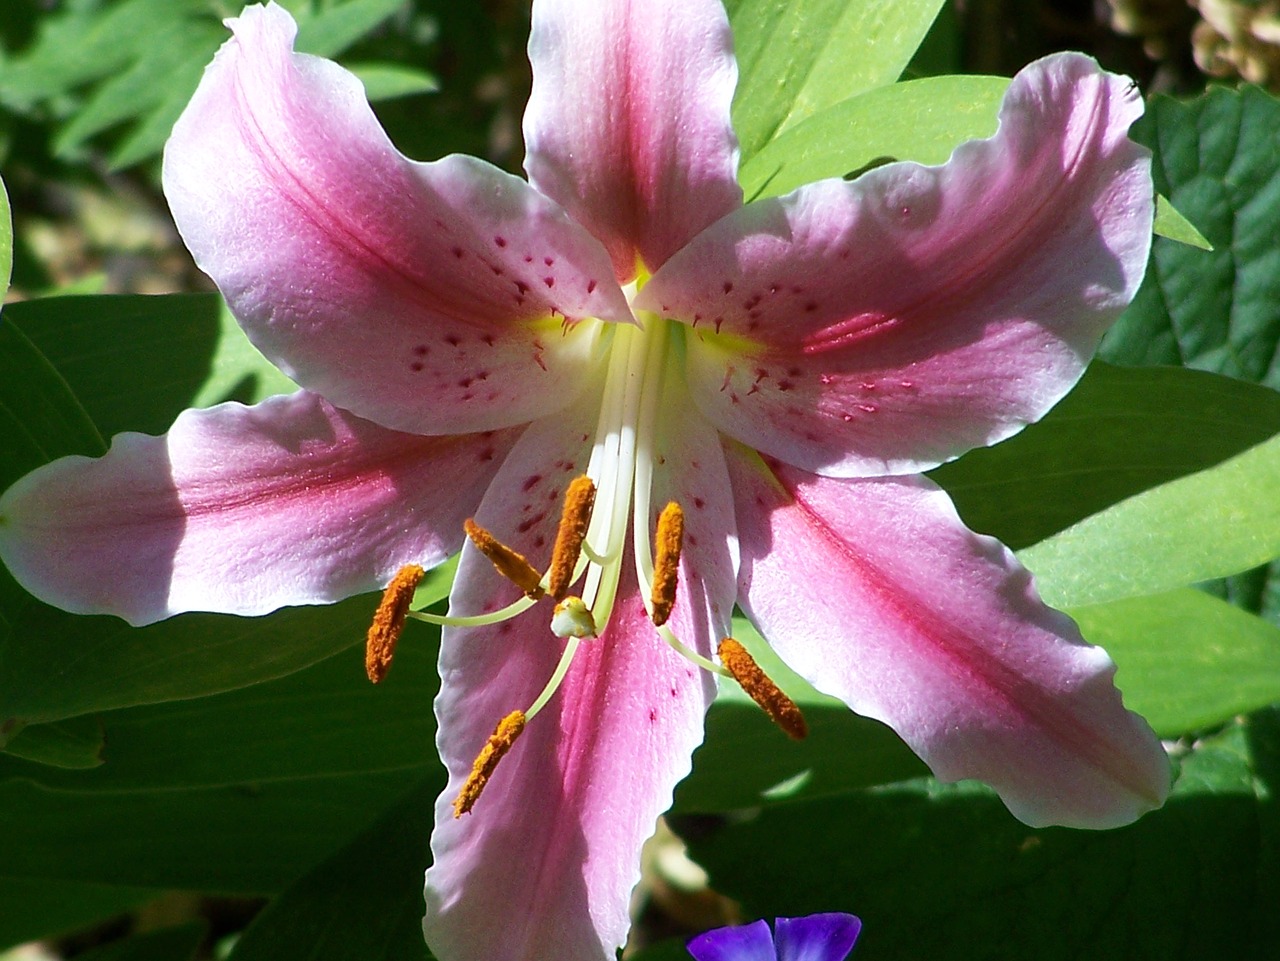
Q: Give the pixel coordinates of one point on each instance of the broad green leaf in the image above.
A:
(944, 872)
(75, 744)
(166, 944)
(40, 909)
(1120, 432)
(137, 362)
(1220, 521)
(386, 81)
(363, 903)
(797, 57)
(1188, 661)
(240, 792)
(920, 120)
(6, 242)
(1171, 224)
(1215, 159)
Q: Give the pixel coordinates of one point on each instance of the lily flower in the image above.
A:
(645, 402)
(816, 937)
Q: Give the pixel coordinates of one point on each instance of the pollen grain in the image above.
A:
(388, 621)
(499, 743)
(783, 711)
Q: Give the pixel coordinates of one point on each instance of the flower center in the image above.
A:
(613, 495)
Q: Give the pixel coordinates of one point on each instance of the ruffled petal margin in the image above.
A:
(242, 510)
(889, 324)
(430, 298)
(628, 121)
(875, 592)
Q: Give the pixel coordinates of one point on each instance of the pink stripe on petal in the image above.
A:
(887, 325)
(544, 864)
(242, 510)
(628, 121)
(429, 298)
(876, 593)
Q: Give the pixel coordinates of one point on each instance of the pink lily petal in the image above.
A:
(889, 324)
(628, 121)
(691, 471)
(242, 510)
(426, 297)
(876, 593)
(543, 865)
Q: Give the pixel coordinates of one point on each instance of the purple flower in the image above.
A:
(817, 937)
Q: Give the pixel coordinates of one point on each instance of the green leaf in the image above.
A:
(137, 362)
(240, 792)
(1171, 224)
(944, 872)
(365, 902)
(797, 57)
(386, 81)
(167, 944)
(920, 120)
(1188, 661)
(40, 418)
(1215, 159)
(1118, 433)
(1220, 521)
(76, 744)
(40, 909)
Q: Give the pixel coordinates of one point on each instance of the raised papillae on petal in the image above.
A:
(437, 298)
(628, 120)
(242, 510)
(876, 593)
(888, 324)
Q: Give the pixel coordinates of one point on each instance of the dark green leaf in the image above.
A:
(362, 904)
(1215, 158)
(76, 743)
(240, 792)
(946, 873)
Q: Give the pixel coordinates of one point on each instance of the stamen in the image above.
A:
(781, 709)
(572, 618)
(579, 499)
(510, 564)
(388, 621)
(669, 537)
(499, 743)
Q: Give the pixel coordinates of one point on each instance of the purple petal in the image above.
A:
(818, 937)
(544, 864)
(242, 510)
(426, 297)
(889, 324)
(876, 593)
(745, 942)
(628, 121)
